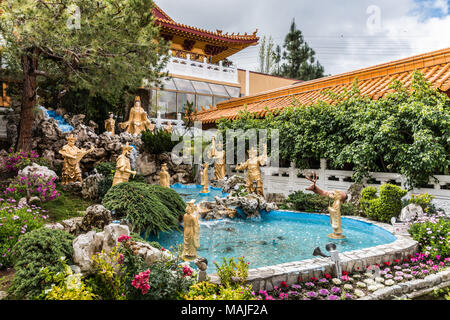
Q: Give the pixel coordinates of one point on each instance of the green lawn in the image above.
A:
(66, 206)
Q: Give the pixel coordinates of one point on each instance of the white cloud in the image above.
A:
(336, 30)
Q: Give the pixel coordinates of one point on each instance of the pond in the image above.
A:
(277, 237)
(189, 192)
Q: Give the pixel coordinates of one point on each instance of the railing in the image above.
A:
(192, 68)
(287, 181)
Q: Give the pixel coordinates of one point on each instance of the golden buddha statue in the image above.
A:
(72, 155)
(164, 177)
(204, 178)
(169, 127)
(191, 232)
(254, 173)
(338, 198)
(138, 120)
(123, 166)
(110, 124)
(219, 160)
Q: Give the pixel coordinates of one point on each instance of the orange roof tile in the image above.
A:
(373, 82)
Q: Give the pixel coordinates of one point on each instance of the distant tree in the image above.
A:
(277, 61)
(266, 55)
(299, 61)
(105, 47)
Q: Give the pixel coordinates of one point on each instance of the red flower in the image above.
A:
(123, 238)
(396, 261)
(387, 263)
(313, 279)
(327, 276)
(162, 249)
(345, 273)
(299, 279)
(283, 284)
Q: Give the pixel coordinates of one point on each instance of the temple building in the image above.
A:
(373, 82)
(200, 70)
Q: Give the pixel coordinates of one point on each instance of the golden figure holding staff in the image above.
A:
(110, 124)
(71, 171)
(219, 160)
(191, 232)
(338, 198)
(204, 177)
(254, 173)
(138, 120)
(123, 166)
(164, 177)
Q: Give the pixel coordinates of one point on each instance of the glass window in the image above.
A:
(184, 85)
(154, 105)
(167, 104)
(169, 84)
(218, 90)
(219, 99)
(203, 101)
(234, 92)
(183, 98)
(201, 87)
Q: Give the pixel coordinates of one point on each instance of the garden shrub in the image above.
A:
(136, 237)
(158, 142)
(310, 202)
(16, 161)
(230, 269)
(65, 285)
(424, 200)
(106, 168)
(141, 207)
(385, 206)
(33, 186)
(35, 250)
(103, 186)
(15, 222)
(170, 198)
(433, 235)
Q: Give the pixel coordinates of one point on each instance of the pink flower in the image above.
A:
(123, 238)
(141, 281)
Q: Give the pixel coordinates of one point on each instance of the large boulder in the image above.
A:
(146, 164)
(97, 216)
(111, 233)
(84, 246)
(354, 195)
(89, 187)
(410, 212)
(35, 169)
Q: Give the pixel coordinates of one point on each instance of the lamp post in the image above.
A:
(334, 255)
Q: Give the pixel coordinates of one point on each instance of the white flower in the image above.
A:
(359, 293)
(389, 282)
(73, 281)
(369, 281)
(373, 287)
(348, 286)
(336, 281)
(361, 284)
(379, 279)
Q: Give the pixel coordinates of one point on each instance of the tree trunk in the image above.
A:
(29, 65)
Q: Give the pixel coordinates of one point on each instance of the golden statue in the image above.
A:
(151, 127)
(219, 160)
(123, 166)
(338, 198)
(71, 171)
(138, 120)
(191, 232)
(169, 127)
(164, 177)
(204, 177)
(110, 124)
(254, 173)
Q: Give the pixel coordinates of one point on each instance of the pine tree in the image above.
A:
(299, 57)
(105, 47)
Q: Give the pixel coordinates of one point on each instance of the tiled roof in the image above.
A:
(162, 19)
(373, 82)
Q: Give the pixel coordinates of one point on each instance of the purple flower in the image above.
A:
(296, 286)
(324, 292)
(335, 290)
(348, 296)
(309, 284)
(333, 297)
(311, 294)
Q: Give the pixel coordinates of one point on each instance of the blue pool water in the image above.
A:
(189, 192)
(61, 122)
(277, 237)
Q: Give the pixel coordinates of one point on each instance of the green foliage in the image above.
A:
(136, 237)
(170, 198)
(143, 207)
(433, 236)
(202, 291)
(107, 169)
(158, 142)
(385, 206)
(68, 205)
(232, 273)
(65, 285)
(103, 186)
(311, 202)
(35, 250)
(405, 132)
(424, 200)
(210, 291)
(110, 275)
(14, 222)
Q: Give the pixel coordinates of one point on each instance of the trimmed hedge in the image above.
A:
(385, 206)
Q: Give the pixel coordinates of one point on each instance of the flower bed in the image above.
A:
(351, 286)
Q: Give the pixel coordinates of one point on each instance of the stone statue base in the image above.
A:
(189, 258)
(336, 236)
(205, 192)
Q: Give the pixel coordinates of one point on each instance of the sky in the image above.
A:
(345, 34)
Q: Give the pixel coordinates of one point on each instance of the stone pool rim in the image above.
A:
(267, 277)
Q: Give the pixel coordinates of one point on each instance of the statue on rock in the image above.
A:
(219, 160)
(72, 155)
(110, 124)
(204, 178)
(338, 198)
(164, 177)
(191, 232)
(123, 166)
(138, 120)
(254, 172)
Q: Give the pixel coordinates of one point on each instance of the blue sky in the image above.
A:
(340, 31)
